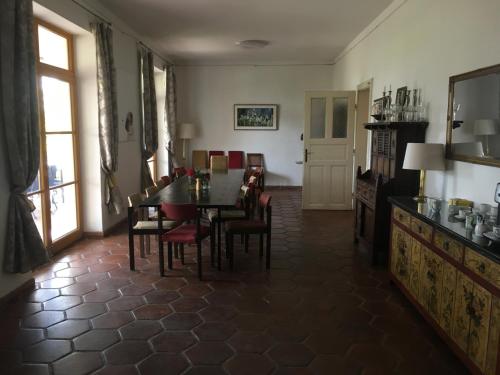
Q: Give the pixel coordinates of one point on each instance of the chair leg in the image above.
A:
(176, 251)
(261, 245)
(198, 250)
(219, 241)
(247, 237)
(268, 250)
(169, 255)
(212, 242)
(148, 246)
(182, 253)
(161, 256)
(131, 254)
(231, 250)
(141, 246)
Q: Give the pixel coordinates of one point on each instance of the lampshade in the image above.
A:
(187, 131)
(486, 127)
(424, 156)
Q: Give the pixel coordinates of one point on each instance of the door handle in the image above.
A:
(305, 155)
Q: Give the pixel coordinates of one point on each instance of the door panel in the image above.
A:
(328, 145)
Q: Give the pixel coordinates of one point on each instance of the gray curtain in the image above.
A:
(24, 249)
(149, 114)
(108, 118)
(171, 113)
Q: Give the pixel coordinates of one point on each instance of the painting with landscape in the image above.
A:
(255, 117)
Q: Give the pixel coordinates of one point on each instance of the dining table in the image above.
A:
(223, 193)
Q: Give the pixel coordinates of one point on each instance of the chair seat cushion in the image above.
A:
(147, 224)
(246, 226)
(226, 215)
(186, 233)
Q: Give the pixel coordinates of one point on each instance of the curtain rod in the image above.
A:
(168, 62)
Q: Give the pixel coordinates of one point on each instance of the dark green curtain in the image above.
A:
(24, 249)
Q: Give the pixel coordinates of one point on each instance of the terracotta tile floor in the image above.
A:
(320, 310)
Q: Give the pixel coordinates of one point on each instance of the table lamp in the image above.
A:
(424, 157)
(486, 127)
(186, 131)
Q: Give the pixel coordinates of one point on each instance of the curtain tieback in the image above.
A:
(28, 202)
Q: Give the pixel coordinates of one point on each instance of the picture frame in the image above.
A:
(401, 95)
(255, 117)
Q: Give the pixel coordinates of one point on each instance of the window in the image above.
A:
(56, 190)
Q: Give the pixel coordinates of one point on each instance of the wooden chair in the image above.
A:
(215, 153)
(186, 233)
(218, 163)
(160, 184)
(199, 159)
(260, 226)
(235, 159)
(138, 224)
(151, 190)
(255, 167)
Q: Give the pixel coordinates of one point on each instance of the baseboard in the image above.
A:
(14, 294)
(282, 187)
(106, 232)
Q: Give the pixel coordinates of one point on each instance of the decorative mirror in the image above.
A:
(473, 133)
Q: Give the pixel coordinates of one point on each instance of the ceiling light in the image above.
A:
(252, 43)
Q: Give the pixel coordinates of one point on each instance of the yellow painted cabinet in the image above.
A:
(461, 320)
(414, 286)
(400, 255)
(479, 312)
(492, 351)
(448, 297)
(431, 274)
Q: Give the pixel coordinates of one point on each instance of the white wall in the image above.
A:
(420, 45)
(206, 95)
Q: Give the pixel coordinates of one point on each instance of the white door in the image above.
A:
(328, 148)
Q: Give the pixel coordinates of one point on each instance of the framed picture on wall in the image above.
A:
(255, 117)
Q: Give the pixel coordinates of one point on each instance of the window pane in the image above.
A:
(63, 211)
(37, 214)
(53, 48)
(35, 186)
(339, 118)
(56, 104)
(60, 165)
(318, 122)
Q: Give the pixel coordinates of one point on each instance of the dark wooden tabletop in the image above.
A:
(223, 193)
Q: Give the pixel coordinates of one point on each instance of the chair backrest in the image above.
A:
(160, 184)
(255, 160)
(166, 180)
(151, 190)
(264, 200)
(199, 159)
(215, 153)
(218, 163)
(235, 159)
(180, 212)
(179, 171)
(135, 199)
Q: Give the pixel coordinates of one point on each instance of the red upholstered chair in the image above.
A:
(179, 172)
(260, 226)
(166, 180)
(235, 159)
(186, 233)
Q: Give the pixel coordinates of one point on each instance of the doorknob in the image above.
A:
(306, 153)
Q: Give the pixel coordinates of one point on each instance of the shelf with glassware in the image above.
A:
(408, 106)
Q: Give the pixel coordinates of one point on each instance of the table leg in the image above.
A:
(219, 239)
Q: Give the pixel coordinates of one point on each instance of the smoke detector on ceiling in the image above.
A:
(252, 43)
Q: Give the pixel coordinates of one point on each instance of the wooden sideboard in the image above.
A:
(385, 177)
(453, 281)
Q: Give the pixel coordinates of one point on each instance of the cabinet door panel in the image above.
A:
(414, 285)
(480, 311)
(492, 351)
(448, 296)
(400, 260)
(461, 321)
(431, 282)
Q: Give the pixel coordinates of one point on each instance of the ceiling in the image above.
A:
(205, 31)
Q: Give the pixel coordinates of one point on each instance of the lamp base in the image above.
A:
(420, 199)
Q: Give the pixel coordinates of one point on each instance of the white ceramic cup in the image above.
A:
(463, 211)
(496, 230)
(484, 208)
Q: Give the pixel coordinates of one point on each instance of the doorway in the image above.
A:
(328, 150)
(363, 100)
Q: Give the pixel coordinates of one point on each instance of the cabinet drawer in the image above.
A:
(482, 266)
(402, 216)
(365, 191)
(421, 229)
(451, 247)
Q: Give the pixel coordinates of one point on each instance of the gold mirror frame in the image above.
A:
(451, 91)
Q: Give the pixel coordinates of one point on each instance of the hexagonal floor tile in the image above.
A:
(127, 352)
(291, 354)
(86, 311)
(58, 282)
(214, 331)
(62, 303)
(140, 330)
(188, 304)
(96, 340)
(155, 312)
(161, 296)
(218, 313)
(163, 364)
(42, 295)
(113, 319)
(195, 290)
(26, 337)
(136, 290)
(181, 321)
(323, 365)
(43, 319)
(127, 303)
(249, 364)
(78, 364)
(101, 296)
(251, 342)
(209, 353)
(68, 329)
(47, 351)
(174, 342)
(173, 283)
(72, 272)
(118, 370)
(78, 289)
